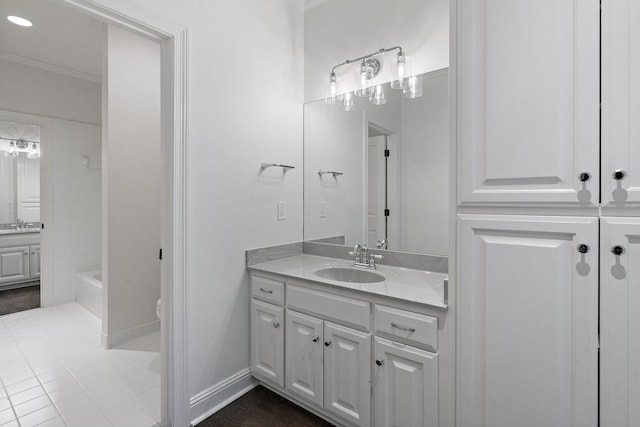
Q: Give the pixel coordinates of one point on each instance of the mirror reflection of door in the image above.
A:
(380, 179)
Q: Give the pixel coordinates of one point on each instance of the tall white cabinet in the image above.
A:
(548, 239)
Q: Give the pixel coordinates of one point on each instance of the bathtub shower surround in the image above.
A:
(88, 287)
(77, 203)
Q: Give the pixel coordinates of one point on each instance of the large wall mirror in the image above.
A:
(19, 173)
(380, 174)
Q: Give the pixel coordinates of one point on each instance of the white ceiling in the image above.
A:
(60, 39)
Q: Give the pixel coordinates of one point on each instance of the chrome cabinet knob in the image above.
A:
(617, 250)
(583, 249)
(379, 362)
(276, 324)
(619, 174)
(315, 339)
(584, 176)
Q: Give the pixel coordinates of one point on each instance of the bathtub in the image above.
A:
(88, 287)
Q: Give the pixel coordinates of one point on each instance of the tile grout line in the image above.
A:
(15, 415)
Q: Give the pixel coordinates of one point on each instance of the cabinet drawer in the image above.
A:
(267, 290)
(348, 310)
(407, 325)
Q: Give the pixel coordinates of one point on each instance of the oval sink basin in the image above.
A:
(351, 275)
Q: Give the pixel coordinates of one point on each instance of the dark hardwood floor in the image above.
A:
(14, 300)
(263, 408)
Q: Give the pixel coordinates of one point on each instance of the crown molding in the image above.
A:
(31, 62)
(310, 4)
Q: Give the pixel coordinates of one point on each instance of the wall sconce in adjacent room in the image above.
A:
(368, 70)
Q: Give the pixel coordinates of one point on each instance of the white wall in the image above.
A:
(30, 90)
(329, 130)
(424, 168)
(131, 189)
(337, 30)
(77, 213)
(245, 108)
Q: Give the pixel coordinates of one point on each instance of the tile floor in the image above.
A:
(54, 373)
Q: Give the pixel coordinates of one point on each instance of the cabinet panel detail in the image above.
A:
(347, 373)
(405, 385)
(620, 103)
(528, 323)
(304, 356)
(620, 322)
(528, 102)
(267, 342)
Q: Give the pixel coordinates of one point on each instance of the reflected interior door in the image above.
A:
(376, 189)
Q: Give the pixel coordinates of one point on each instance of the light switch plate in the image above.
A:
(282, 214)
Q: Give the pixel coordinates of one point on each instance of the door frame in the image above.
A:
(173, 40)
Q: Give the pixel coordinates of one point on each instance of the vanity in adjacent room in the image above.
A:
(363, 336)
(19, 204)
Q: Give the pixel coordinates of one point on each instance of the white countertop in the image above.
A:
(423, 287)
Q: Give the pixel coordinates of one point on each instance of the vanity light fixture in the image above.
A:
(13, 151)
(368, 70)
(18, 20)
(34, 153)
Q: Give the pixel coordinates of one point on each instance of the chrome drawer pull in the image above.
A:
(266, 291)
(404, 328)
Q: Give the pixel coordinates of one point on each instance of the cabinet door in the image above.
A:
(14, 264)
(621, 102)
(304, 373)
(405, 385)
(527, 321)
(528, 102)
(620, 323)
(347, 374)
(34, 261)
(267, 342)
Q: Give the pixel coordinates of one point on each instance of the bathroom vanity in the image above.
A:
(355, 353)
(19, 257)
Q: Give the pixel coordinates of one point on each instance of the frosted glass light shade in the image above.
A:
(332, 90)
(378, 95)
(34, 153)
(401, 70)
(347, 102)
(363, 75)
(413, 88)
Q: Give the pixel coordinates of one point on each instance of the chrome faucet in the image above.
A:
(19, 224)
(381, 243)
(363, 258)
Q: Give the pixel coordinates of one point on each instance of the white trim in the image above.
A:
(110, 341)
(221, 394)
(43, 65)
(174, 100)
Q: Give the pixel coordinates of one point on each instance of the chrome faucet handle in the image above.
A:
(381, 243)
(377, 256)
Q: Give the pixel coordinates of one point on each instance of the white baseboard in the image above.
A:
(216, 397)
(112, 340)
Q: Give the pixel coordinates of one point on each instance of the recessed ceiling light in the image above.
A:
(20, 21)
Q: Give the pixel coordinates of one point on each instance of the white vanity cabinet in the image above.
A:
(14, 264)
(528, 321)
(620, 104)
(267, 330)
(34, 261)
(528, 102)
(355, 359)
(620, 322)
(405, 385)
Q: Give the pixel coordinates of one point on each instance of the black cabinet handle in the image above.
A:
(379, 362)
(583, 249)
(619, 174)
(327, 343)
(584, 176)
(617, 250)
